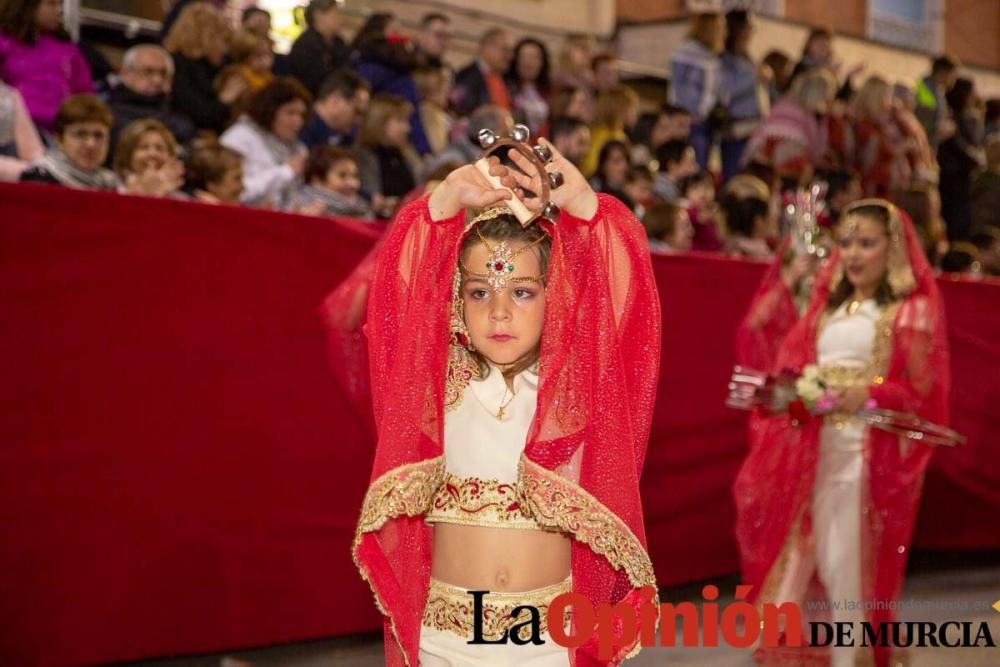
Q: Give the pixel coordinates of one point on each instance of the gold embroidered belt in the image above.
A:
(841, 377)
(472, 501)
(450, 608)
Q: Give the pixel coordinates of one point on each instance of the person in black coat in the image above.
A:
(482, 81)
(319, 50)
(197, 42)
(144, 92)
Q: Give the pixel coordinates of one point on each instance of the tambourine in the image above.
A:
(539, 155)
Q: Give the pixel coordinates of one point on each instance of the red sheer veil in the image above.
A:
(910, 374)
(580, 469)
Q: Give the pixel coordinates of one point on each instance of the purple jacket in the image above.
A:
(45, 73)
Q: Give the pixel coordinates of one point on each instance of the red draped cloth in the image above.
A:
(585, 449)
(774, 486)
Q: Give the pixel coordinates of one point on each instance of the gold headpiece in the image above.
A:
(500, 264)
(900, 272)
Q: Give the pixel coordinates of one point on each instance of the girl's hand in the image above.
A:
(851, 400)
(575, 196)
(467, 188)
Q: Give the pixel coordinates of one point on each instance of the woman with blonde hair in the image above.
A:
(880, 148)
(385, 157)
(696, 79)
(197, 42)
(617, 111)
(146, 160)
(573, 68)
(794, 138)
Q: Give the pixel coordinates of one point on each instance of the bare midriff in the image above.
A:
(499, 559)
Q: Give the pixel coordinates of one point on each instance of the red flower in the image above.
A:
(799, 412)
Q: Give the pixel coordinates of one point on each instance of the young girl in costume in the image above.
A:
(831, 496)
(513, 375)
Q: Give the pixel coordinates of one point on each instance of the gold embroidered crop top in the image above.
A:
(482, 451)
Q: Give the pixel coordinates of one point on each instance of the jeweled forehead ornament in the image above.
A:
(500, 265)
(538, 155)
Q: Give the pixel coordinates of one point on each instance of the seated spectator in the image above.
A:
(197, 42)
(639, 189)
(267, 137)
(676, 160)
(792, 140)
(143, 91)
(751, 219)
(384, 57)
(482, 81)
(668, 227)
(433, 40)
(38, 58)
(923, 204)
(383, 144)
(146, 160)
(528, 81)
(698, 195)
(984, 194)
(987, 242)
(465, 147)
(434, 88)
(652, 130)
(257, 20)
(331, 177)
(320, 49)
(570, 103)
(215, 175)
(252, 57)
(571, 137)
(612, 170)
(776, 69)
(617, 112)
(341, 105)
(19, 140)
(82, 129)
(574, 72)
(605, 68)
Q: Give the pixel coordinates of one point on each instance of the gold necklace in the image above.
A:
(853, 306)
(503, 406)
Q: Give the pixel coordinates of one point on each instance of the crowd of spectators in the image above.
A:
(354, 125)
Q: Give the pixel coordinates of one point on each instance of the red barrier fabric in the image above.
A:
(181, 473)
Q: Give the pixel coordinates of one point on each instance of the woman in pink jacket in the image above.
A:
(38, 58)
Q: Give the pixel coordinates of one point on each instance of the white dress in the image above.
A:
(846, 342)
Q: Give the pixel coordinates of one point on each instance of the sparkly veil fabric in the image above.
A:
(344, 311)
(585, 449)
(775, 483)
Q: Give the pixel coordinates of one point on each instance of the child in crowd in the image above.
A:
(331, 177)
(668, 227)
(251, 59)
(698, 193)
(215, 174)
(676, 160)
(639, 189)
